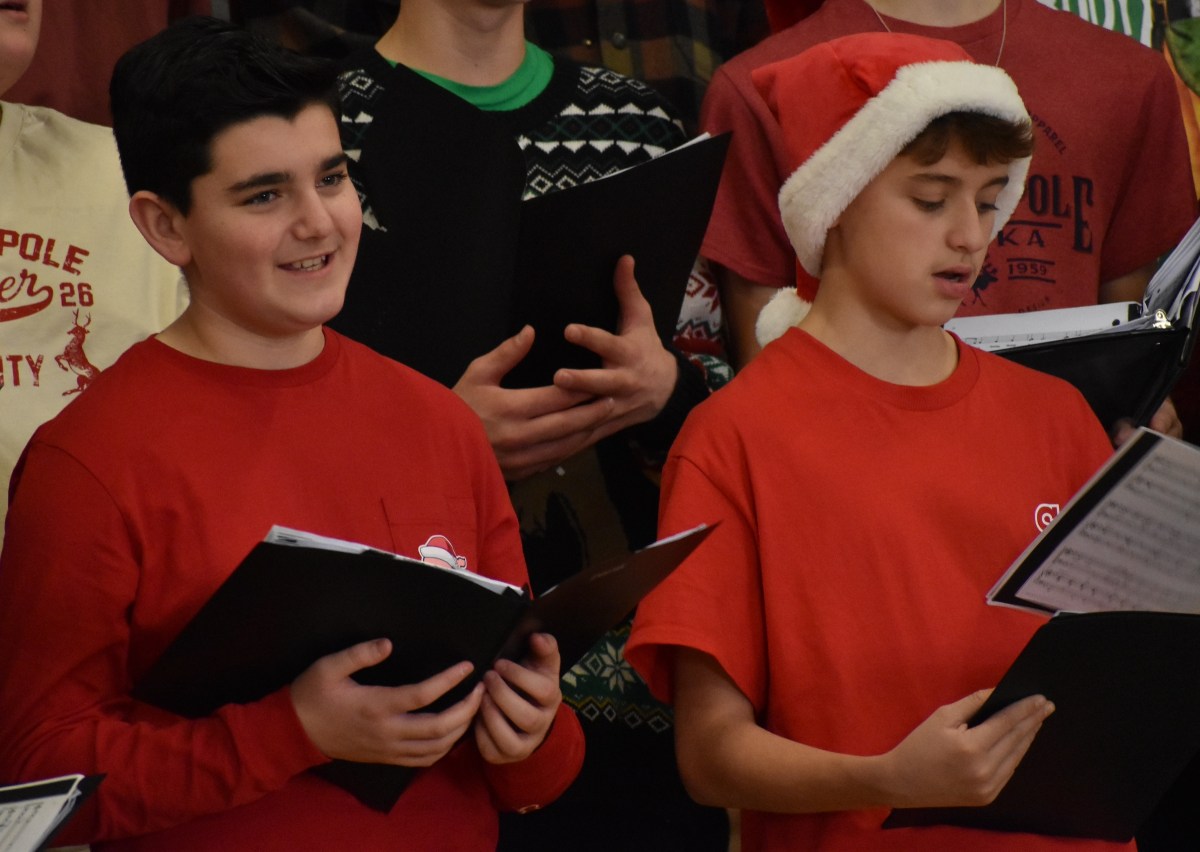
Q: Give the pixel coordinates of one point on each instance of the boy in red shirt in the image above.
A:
(133, 505)
(872, 477)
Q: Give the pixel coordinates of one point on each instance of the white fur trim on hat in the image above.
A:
(785, 309)
(817, 193)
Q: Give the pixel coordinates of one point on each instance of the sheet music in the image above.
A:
(1004, 331)
(24, 824)
(1169, 300)
(1174, 285)
(1137, 549)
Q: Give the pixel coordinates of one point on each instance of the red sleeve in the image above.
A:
(1157, 200)
(71, 609)
(745, 233)
(719, 584)
(542, 777)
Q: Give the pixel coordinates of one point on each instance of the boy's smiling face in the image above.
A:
(20, 21)
(910, 246)
(270, 238)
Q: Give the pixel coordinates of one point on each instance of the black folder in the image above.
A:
(286, 606)
(1126, 723)
(1126, 375)
(570, 242)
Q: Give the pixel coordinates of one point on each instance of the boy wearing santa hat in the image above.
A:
(887, 477)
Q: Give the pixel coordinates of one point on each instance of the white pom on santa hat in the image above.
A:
(849, 106)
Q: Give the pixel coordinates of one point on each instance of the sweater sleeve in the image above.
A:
(73, 612)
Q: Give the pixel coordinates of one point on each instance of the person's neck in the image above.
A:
(915, 357)
(475, 46)
(208, 337)
(936, 13)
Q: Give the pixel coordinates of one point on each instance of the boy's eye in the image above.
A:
(927, 205)
(264, 197)
(334, 179)
(988, 207)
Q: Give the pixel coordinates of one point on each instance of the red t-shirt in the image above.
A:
(1109, 189)
(861, 525)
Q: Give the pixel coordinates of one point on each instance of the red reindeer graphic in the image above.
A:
(74, 360)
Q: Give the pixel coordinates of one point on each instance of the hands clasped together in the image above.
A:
(531, 429)
(511, 709)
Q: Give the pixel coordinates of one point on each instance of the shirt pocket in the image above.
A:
(438, 528)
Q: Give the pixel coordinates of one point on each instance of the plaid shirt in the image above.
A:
(674, 45)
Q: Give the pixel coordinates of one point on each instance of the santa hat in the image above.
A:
(439, 549)
(847, 108)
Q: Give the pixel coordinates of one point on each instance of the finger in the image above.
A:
(634, 308)
(525, 684)
(1166, 420)
(1011, 749)
(344, 663)
(961, 711)
(560, 424)
(424, 752)
(543, 655)
(484, 741)
(531, 403)
(608, 346)
(493, 366)
(524, 714)
(611, 381)
(417, 695)
(1121, 432)
(507, 741)
(435, 726)
(998, 732)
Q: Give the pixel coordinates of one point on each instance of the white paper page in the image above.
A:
(1176, 278)
(1005, 331)
(25, 824)
(300, 538)
(1139, 549)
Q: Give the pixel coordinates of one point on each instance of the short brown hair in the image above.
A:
(985, 138)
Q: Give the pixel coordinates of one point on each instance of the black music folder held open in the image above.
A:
(570, 241)
(1124, 358)
(1126, 723)
(288, 604)
(1119, 569)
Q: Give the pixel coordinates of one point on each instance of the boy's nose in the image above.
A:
(312, 217)
(971, 231)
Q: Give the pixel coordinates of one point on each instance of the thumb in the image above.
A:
(344, 663)
(961, 711)
(493, 366)
(633, 305)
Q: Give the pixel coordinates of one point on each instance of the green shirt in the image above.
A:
(525, 84)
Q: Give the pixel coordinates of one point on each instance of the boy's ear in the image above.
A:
(161, 224)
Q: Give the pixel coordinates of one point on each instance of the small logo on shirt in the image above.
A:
(1044, 514)
(74, 360)
(439, 551)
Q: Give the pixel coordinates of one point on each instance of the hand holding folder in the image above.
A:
(297, 598)
(1118, 569)
(570, 242)
(1126, 723)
